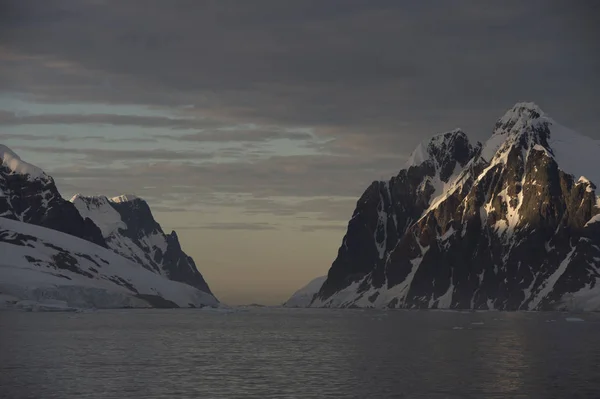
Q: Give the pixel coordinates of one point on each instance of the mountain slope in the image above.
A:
(29, 195)
(129, 229)
(44, 265)
(513, 227)
(304, 296)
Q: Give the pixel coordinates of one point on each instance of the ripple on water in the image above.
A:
(276, 353)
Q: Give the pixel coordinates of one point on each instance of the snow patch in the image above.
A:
(16, 165)
(99, 210)
(550, 281)
(124, 198)
(594, 219)
(417, 157)
(575, 154)
(445, 300)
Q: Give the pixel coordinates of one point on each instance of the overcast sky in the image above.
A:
(252, 127)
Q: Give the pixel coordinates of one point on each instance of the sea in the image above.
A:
(299, 353)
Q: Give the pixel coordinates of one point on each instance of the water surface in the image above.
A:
(299, 353)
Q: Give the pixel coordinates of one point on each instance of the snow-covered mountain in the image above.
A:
(304, 296)
(29, 195)
(124, 224)
(510, 224)
(129, 229)
(43, 265)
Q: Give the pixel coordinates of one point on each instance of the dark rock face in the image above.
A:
(181, 267)
(510, 232)
(173, 261)
(37, 201)
(387, 209)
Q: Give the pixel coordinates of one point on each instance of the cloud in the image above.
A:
(228, 226)
(102, 155)
(12, 119)
(316, 187)
(64, 138)
(210, 130)
(311, 228)
(304, 176)
(242, 135)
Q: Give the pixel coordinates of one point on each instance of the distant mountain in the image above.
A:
(510, 224)
(304, 296)
(123, 224)
(129, 229)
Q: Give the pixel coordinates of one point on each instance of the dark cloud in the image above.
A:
(376, 69)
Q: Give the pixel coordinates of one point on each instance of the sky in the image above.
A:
(252, 127)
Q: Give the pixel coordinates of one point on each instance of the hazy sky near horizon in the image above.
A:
(252, 127)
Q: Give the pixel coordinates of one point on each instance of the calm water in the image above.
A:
(277, 353)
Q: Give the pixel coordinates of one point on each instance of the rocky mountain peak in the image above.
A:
(510, 225)
(518, 117)
(442, 149)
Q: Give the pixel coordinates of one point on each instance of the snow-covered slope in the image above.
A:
(44, 265)
(129, 229)
(512, 228)
(304, 296)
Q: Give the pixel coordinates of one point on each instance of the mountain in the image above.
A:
(304, 296)
(29, 195)
(129, 229)
(510, 224)
(45, 266)
(123, 226)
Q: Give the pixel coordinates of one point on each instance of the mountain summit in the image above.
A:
(510, 224)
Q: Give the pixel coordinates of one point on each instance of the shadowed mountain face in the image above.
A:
(34, 198)
(510, 224)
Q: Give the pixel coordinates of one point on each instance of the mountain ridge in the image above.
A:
(123, 225)
(129, 228)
